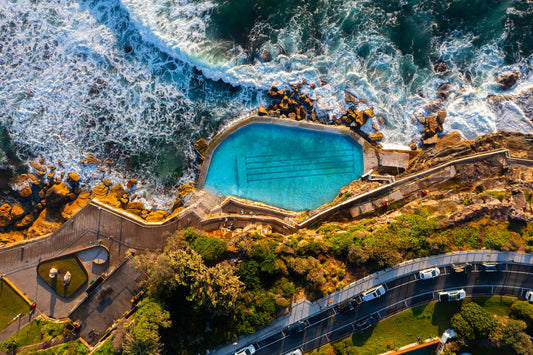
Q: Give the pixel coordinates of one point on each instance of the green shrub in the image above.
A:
(500, 195)
(529, 196)
(473, 322)
(496, 237)
(211, 249)
(523, 310)
(467, 236)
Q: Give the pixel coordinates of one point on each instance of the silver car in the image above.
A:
(429, 273)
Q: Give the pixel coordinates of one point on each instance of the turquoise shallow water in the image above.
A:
(287, 167)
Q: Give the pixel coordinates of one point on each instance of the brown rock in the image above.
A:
(17, 211)
(184, 190)
(430, 141)
(73, 178)
(376, 137)
(274, 93)
(25, 222)
(375, 126)
(413, 145)
(137, 205)
(73, 207)
(91, 159)
(100, 190)
(431, 126)
(434, 105)
(108, 182)
(34, 180)
(261, 111)
(25, 192)
(201, 145)
(440, 67)
(451, 139)
(51, 167)
(292, 116)
(441, 116)
(131, 183)
(381, 120)
(50, 176)
(507, 79)
(38, 169)
(44, 224)
(348, 97)
(57, 195)
(5, 215)
(443, 91)
(156, 216)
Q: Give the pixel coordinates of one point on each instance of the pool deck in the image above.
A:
(370, 154)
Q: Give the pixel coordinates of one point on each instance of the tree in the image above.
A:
(512, 333)
(473, 322)
(523, 310)
(215, 289)
(142, 336)
(211, 249)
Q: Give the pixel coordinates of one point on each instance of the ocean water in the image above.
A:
(287, 167)
(138, 81)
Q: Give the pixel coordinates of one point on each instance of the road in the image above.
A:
(403, 293)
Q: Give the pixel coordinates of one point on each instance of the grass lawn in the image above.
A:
(106, 348)
(38, 331)
(11, 304)
(73, 347)
(409, 326)
(63, 264)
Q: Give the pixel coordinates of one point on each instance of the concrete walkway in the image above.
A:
(305, 309)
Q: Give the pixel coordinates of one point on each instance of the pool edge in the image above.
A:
(370, 158)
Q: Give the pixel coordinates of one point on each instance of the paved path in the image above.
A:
(305, 309)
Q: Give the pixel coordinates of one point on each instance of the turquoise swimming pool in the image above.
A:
(287, 167)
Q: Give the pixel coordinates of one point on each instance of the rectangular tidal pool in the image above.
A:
(287, 167)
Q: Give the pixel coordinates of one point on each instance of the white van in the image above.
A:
(295, 352)
(375, 292)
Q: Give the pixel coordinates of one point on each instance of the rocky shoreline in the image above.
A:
(38, 202)
(40, 199)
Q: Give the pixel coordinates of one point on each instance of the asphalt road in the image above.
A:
(334, 324)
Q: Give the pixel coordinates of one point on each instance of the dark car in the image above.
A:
(365, 324)
(491, 267)
(461, 268)
(295, 328)
(346, 306)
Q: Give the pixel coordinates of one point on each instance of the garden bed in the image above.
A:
(70, 263)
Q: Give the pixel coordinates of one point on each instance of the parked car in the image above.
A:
(249, 350)
(346, 306)
(365, 324)
(454, 295)
(529, 296)
(429, 273)
(295, 352)
(491, 267)
(295, 328)
(372, 293)
(458, 268)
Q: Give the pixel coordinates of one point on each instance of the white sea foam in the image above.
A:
(67, 88)
(375, 78)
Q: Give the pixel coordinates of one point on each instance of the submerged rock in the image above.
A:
(507, 79)
(348, 97)
(440, 67)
